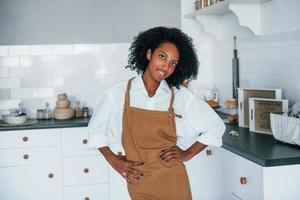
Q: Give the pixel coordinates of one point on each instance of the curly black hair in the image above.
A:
(187, 68)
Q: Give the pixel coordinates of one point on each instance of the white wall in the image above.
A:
(35, 74)
(279, 16)
(82, 21)
(268, 61)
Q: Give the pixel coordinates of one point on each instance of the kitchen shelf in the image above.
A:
(221, 7)
(238, 9)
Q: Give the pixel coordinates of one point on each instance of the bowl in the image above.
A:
(15, 120)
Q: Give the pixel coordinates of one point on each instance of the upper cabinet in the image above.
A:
(230, 17)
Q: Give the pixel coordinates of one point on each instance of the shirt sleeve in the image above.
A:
(100, 123)
(205, 121)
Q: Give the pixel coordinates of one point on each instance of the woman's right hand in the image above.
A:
(126, 168)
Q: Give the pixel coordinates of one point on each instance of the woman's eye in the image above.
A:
(162, 56)
(174, 64)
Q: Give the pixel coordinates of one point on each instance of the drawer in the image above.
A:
(75, 142)
(85, 170)
(30, 138)
(30, 156)
(246, 178)
(31, 182)
(87, 192)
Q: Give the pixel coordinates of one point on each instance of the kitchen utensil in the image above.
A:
(235, 71)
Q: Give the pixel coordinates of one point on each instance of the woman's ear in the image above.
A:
(149, 53)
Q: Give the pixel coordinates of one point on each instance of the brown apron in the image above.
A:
(145, 134)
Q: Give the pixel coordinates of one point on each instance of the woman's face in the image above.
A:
(162, 62)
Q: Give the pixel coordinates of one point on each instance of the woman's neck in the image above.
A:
(150, 85)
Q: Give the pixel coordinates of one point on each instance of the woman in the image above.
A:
(159, 123)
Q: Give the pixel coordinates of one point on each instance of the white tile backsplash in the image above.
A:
(4, 72)
(62, 50)
(37, 73)
(18, 50)
(9, 61)
(83, 71)
(40, 50)
(9, 83)
(3, 50)
(271, 61)
(21, 93)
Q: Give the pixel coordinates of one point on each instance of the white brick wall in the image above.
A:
(35, 74)
(271, 61)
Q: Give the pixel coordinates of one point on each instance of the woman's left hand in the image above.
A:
(174, 154)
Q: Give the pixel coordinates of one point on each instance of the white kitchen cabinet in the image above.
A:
(30, 165)
(39, 182)
(245, 180)
(87, 192)
(85, 170)
(205, 173)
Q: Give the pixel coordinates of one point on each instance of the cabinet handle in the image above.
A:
(86, 198)
(243, 180)
(25, 138)
(25, 156)
(208, 152)
(86, 170)
(84, 141)
(50, 175)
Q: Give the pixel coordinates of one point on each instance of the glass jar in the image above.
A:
(85, 111)
(47, 112)
(78, 110)
(40, 114)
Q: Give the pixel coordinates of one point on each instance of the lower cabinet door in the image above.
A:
(85, 170)
(205, 172)
(245, 181)
(31, 183)
(87, 192)
(117, 186)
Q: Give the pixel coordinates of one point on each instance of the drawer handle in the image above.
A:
(86, 170)
(86, 198)
(25, 156)
(50, 175)
(208, 152)
(120, 153)
(84, 141)
(25, 138)
(243, 180)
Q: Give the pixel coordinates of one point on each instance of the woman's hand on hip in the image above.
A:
(174, 154)
(126, 168)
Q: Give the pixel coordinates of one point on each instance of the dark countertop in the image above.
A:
(260, 148)
(42, 124)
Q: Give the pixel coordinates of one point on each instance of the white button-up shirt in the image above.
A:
(198, 123)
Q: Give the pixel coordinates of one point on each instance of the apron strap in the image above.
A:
(127, 94)
(171, 101)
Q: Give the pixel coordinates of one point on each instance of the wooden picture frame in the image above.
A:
(259, 113)
(243, 101)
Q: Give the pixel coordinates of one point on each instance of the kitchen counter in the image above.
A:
(43, 124)
(260, 148)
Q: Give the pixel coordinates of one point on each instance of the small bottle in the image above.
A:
(215, 94)
(78, 110)
(85, 111)
(40, 114)
(47, 112)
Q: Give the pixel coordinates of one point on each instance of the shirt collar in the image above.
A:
(138, 84)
